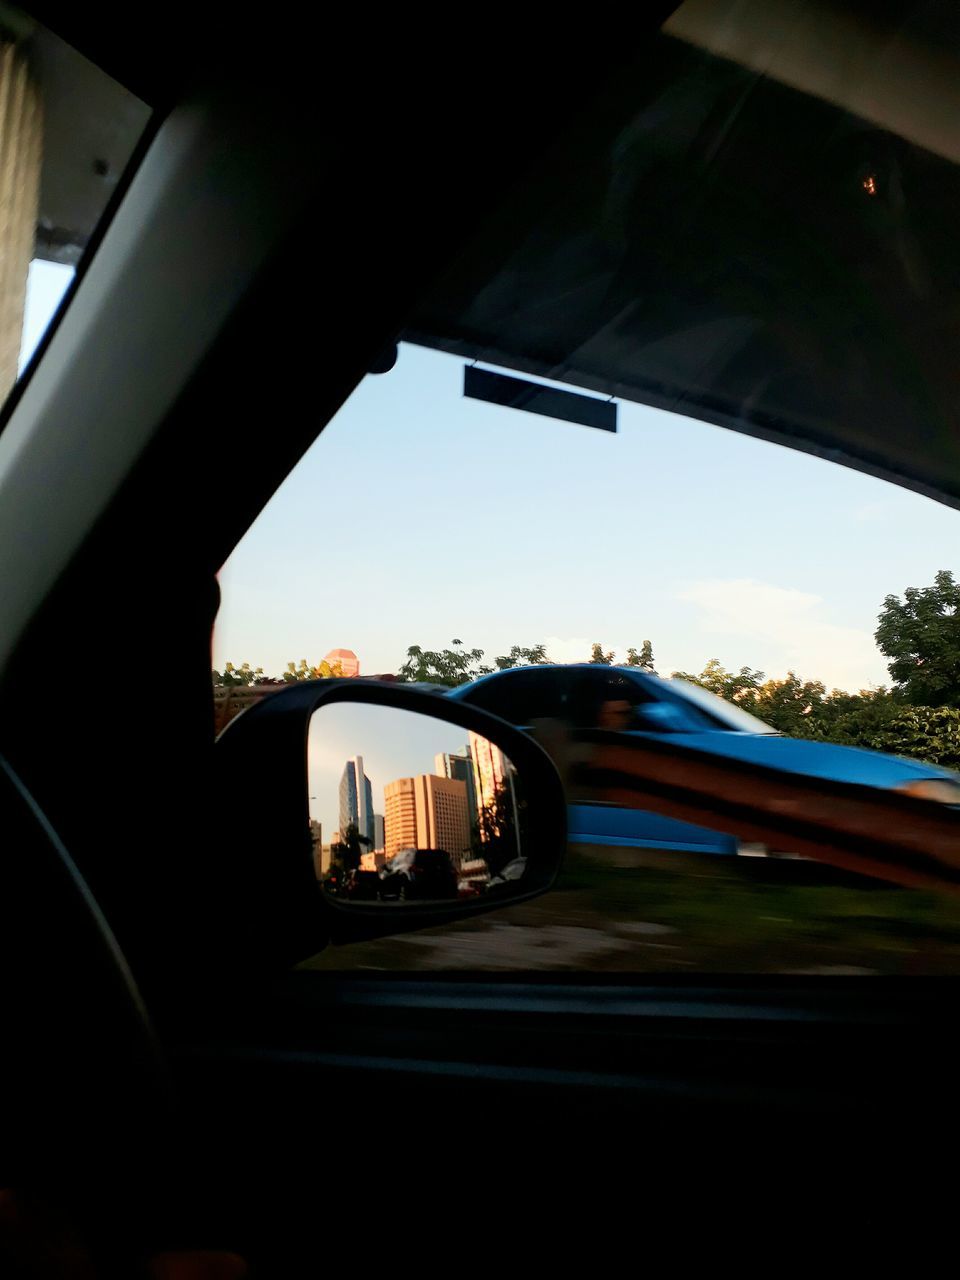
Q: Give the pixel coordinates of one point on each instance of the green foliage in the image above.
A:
(878, 719)
(920, 634)
(451, 667)
(643, 659)
(790, 705)
(232, 676)
(931, 734)
(458, 665)
(739, 687)
(598, 656)
(854, 719)
(520, 657)
(322, 671)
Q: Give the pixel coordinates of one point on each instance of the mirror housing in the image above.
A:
(275, 910)
(661, 717)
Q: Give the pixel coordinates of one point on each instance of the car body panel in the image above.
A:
(607, 824)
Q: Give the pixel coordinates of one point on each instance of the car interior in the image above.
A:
(309, 188)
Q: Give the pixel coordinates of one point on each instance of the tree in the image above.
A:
(598, 656)
(349, 850)
(879, 719)
(643, 659)
(232, 676)
(322, 671)
(789, 705)
(740, 687)
(520, 657)
(800, 708)
(450, 667)
(920, 634)
(495, 837)
(884, 722)
(850, 718)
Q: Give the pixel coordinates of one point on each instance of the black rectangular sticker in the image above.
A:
(551, 402)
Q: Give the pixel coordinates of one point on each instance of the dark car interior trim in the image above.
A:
(291, 1089)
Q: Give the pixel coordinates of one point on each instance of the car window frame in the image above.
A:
(537, 674)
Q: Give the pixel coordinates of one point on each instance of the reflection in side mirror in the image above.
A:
(406, 808)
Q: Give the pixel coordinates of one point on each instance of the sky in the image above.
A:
(419, 516)
(46, 282)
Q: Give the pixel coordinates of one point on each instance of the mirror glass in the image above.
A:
(405, 808)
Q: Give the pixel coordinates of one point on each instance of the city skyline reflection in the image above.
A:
(405, 806)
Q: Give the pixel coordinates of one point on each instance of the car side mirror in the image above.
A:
(661, 717)
(377, 810)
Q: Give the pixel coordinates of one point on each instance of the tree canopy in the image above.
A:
(920, 634)
(919, 716)
(232, 676)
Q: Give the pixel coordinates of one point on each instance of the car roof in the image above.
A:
(796, 355)
(553, 667)
(571, 666)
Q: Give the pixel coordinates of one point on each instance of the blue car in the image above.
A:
(581, 696)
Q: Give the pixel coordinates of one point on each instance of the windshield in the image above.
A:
(732, 716)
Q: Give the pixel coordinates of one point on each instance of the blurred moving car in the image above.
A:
(636, 702)
(418, 873)
(362, 885)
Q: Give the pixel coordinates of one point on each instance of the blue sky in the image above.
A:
(418, 516)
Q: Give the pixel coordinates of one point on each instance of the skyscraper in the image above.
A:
(492, 776)
(489, 768)
(316, 838)
(345, 659)
(366, 804)
(356, 799)
(459, 765)
(400, 816)
(426, 812)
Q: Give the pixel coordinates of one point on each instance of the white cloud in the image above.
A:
(870, 512)
(576, 649)
(786, 629)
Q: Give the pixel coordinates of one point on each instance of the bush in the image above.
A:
(931, 734)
